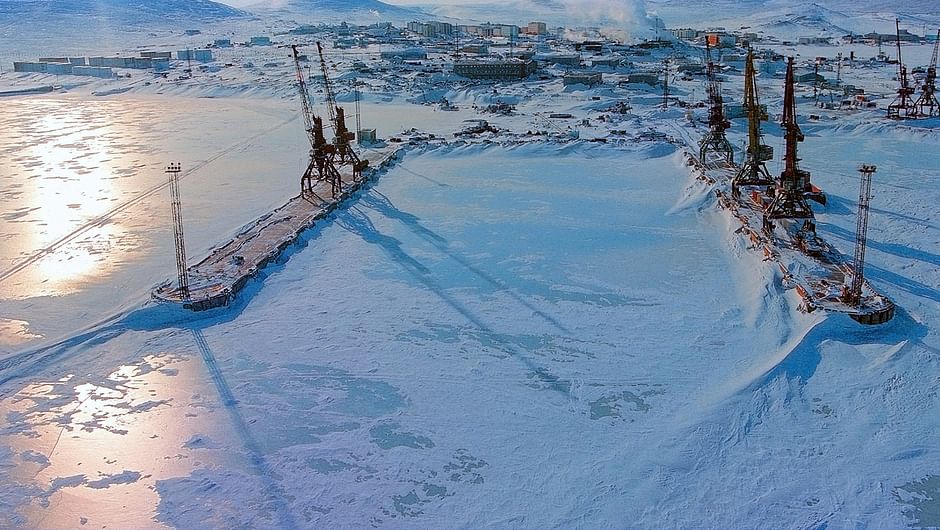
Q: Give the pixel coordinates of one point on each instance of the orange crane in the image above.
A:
(342, 135)
(321, 167)
(927, 104)
(789, 201)
(903, 106)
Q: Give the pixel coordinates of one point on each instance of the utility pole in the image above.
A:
(665, 83)
(816, 82)
(358, 112)
(173, 173)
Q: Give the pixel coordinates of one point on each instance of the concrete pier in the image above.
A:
(216, 279)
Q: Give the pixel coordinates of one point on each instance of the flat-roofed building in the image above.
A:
(507, 69)
(583, 78)
(537, 28)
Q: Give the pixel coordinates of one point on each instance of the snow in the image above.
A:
(517, 329)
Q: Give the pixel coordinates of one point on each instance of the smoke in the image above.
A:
(626, 20)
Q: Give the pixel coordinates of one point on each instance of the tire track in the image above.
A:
(101, 219)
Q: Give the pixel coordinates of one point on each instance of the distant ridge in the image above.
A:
(334, 10)
(116, 12)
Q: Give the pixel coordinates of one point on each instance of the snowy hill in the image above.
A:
(33, 28)
(117, 12)
(338, 10)
(789, 20)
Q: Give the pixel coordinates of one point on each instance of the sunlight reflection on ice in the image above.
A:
(67, 178)
(13, 332)
(92, 447)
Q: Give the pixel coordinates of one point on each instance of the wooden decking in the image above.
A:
(217, 278)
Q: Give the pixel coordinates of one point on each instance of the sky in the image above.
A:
(244, 3)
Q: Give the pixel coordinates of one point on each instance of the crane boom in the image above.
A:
(342, 135)
(901, 70)
(715, 140)
(753, 171)
(936, 47)
(903, 106)
(330, 98)
(304, 97)
(928, 106)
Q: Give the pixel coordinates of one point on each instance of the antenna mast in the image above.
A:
(173, 173)
(854, 295)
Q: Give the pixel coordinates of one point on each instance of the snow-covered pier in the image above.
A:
(216, 279)
(814, 268)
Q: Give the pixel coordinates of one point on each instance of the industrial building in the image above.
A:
(75, 61)
(590, 46)
(815, 41)
(610, 61)
(685, 33)
(564, 59)
(198, 55)
(259, 41)
(583, 78)
(720, 39)
(60, 68)
(508, 69)
(644, 78)
(901, 35)
(809, 77)
(431, 29)
(490, 30)
(405, 54)
(537, 28)
(475, 49)
(139, 63)
(157, 55)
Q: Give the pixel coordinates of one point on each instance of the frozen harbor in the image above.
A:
(569, 294)
(544, 323)
(484, 276)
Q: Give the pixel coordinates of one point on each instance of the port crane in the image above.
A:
(789, 201)
(322, 154)
(342, 135)
(715, 139)
(902, 107)
(754, 170)
(927, 104)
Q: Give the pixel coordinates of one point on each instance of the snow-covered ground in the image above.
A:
(517, 329)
